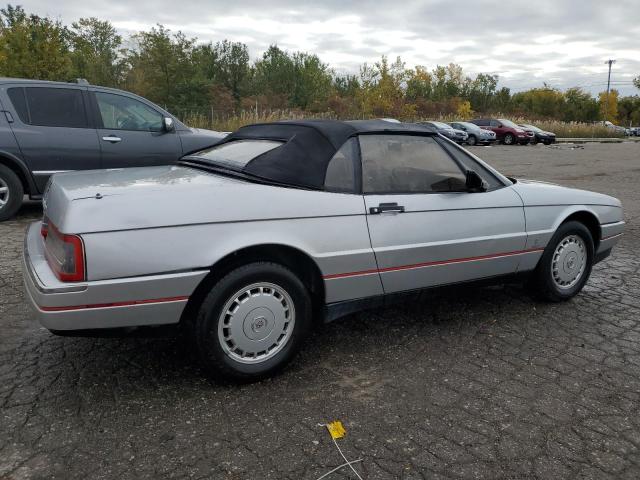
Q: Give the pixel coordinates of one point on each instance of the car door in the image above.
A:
(131, 132)
(53, 128)
(426, 229)
(498, 128)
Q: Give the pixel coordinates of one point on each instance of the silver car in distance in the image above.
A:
(248, 243)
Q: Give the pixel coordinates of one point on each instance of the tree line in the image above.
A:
(188, 76)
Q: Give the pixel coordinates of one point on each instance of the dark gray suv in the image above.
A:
(50, 127)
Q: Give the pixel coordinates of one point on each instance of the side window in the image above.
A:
(50, 107)
(124, 113)
(341, 175)
(495, 123)
(407, 164)
(16, 95)
(482, 122)
(470, 164)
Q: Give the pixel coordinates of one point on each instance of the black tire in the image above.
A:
(546, 142)
(13, 193)
(218, 362)
(509, 139)
(543, 278)
(472, 140)
(534, 141)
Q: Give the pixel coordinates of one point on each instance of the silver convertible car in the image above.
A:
(248, 243)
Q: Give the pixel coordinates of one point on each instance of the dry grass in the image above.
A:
(229, 123)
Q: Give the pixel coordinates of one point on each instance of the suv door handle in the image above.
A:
(112, 139)
(387, 207)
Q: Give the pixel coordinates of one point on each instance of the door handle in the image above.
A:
(387, 207)
(112, 139)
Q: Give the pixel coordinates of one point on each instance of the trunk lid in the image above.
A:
(153, 197)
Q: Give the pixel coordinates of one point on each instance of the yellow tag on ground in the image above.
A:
(336, 429)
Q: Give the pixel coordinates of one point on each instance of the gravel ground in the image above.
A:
(469, 383)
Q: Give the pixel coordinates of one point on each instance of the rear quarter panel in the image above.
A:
(337, 241)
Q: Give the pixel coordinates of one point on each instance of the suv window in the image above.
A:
(407, 164)
(495, 123)
(482, 122)
(49, 107)
(341, 175)
(469, 163)
(124, 113)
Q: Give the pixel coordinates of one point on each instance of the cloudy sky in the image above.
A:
(563, 42)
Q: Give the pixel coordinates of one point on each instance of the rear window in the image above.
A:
(49, 107)
(238, 152)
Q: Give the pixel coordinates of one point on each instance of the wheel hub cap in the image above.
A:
(4, 193)
(256, 322)
(569, 261)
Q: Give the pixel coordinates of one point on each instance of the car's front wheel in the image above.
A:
(252, 322)
(472, 140)
(566, 263)
(509, 139)
(11, 193)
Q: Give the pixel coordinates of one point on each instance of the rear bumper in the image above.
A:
(125, 302)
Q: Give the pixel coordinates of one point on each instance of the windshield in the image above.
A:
(470, 126)
(508, 123)
(237, 153)
(531, 127)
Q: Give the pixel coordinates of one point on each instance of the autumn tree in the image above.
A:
(33, 46)
(609, 105)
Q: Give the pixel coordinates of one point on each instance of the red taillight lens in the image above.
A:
(65, 255)
(44, 227)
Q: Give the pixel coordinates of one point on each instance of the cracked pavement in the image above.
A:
(467, 383)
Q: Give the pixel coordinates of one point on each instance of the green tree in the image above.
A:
(95, 56)
(162, 69)
(224, 63)
(579, 106)
(32, 46)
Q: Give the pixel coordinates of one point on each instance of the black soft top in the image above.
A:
(308, 146)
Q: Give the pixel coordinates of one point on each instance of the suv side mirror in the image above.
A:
(474, 182)
(167, 124)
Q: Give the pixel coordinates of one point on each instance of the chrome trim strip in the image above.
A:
(50, 172)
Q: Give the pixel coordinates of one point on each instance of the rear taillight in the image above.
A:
(44, 227)
(65, 254)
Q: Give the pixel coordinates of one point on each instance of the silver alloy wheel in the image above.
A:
(4, 193)
(508, 139)
(256, 322)
(569, 262)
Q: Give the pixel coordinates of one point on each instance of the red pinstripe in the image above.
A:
(114, 304)
(430, 264)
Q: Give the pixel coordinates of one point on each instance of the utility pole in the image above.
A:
(606, 105)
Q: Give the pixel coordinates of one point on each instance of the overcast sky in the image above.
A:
(563, 43)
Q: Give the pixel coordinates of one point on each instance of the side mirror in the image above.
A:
(167, 124)
(475, 183)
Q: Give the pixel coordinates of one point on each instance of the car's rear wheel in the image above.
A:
(509, 139)
(252, 322)
(566, 263)
(472, 140)
(11, 193)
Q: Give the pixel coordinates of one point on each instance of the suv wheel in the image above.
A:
(509, 139)
(566, 263)
(11, 193)
(472, 140)
(252, 322)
